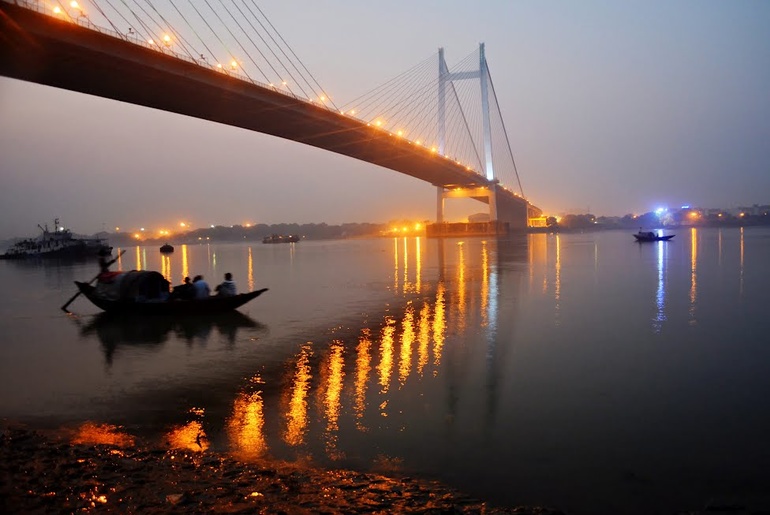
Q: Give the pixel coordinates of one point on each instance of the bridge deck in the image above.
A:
(43, 49)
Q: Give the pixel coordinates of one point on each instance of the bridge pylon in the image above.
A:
(487, 194)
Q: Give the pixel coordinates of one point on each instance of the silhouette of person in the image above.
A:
(227, 287)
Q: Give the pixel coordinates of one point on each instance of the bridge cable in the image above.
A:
(401, 90)
(422, 63)
(249, 38)
(278, 59)
(182, 40)
(219, 65)
(140, 21)
(505, 132)
(213, 56)
(153, 35)
(104, 15)
(292, 51)
(232, 55)
(254, 44)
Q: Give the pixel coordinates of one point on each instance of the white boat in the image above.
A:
(59, 243)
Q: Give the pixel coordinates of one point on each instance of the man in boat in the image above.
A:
(227, 288)
(184, 291)
(202, 290)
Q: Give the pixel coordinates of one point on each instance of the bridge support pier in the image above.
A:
(486, 194)
(505, 208)
(439, 204)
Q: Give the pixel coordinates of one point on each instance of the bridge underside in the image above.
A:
(38, 48)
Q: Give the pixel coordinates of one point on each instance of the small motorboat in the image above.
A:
(166, 249)
(642, 236)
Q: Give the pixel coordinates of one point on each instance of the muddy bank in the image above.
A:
(45, 474)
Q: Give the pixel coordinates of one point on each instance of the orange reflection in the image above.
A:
(439, 324)
(251, 271)
(332, 376)
(423, 338)
(395, 265)
(189, 437)
(385, 367)
(91, 433)
(418, 257)
(138, 258)
(296, 417)
(120, 259)
(185, 263)
(245, 427)
(407, 339)
(165, 267)
(538, 253)
(407, 286)
(461, 287)
(363, 367)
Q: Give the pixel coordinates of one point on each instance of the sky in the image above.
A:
(611, 108)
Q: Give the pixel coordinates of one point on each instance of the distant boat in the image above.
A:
(651, 236)
(166, 249)
(280, 238)
(59, 243)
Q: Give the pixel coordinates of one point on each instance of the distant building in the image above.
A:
(478, 217)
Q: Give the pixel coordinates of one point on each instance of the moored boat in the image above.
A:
(166, 249)
(59, 243)
(146, 293)
(280, 238)
(642, 236)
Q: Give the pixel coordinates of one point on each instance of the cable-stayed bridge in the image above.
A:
(225, 62)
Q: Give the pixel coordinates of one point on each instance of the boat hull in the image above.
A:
(211, 305)
(643, 238)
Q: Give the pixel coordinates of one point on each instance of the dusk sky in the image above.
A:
(611, 107)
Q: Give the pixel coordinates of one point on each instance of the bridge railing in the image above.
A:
(83, 20)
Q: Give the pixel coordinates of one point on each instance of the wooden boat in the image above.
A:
(210, 305)
(651, 236)
(166, 249)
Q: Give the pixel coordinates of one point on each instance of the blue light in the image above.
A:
(686, 207)
(660, 211)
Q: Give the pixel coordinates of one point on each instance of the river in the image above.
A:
(581, 371)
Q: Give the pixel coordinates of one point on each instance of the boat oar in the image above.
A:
(64, 307)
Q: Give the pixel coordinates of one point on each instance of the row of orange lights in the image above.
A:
(167, 41)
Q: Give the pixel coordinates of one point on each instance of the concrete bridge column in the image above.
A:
(493, 203)
(439, 204)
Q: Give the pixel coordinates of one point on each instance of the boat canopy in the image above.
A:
(135, 286)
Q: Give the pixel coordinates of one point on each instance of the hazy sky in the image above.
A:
(611, 106)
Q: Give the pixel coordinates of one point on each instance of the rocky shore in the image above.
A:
(46, 474)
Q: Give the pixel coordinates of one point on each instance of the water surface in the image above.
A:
(583, 371)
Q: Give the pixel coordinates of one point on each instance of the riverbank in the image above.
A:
(44, 474)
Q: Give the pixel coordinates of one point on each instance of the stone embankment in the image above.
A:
(42, 474)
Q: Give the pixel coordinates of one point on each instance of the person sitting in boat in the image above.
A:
(227, 288)
(184, 291)
(201, 287)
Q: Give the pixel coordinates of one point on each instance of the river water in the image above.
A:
(582, 371)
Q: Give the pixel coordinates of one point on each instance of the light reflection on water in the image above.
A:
(515, 369)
